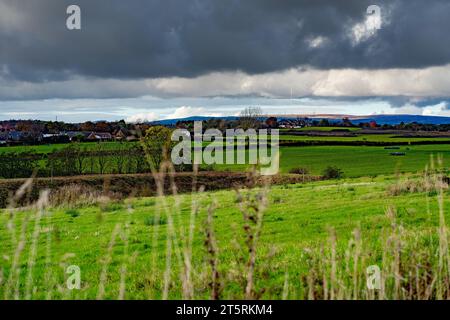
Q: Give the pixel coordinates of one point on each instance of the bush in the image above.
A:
(299, 170)
(332, 172)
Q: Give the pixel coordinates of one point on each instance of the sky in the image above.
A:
(143, 60)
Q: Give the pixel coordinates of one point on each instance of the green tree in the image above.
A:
(332, 172)
(157, 145)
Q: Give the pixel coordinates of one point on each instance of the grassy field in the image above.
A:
(48, 148)
(389, 138)
(363, 137)
(135, 249)
(361, 161)
(323, 129)
(356, 161)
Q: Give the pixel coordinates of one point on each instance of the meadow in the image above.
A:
(48, 148)
(312, 240)
(326, 129)
(354, 161)
(202, 245)
(382, 138)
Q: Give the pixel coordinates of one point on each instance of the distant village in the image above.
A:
(28, 132)
(18, 132)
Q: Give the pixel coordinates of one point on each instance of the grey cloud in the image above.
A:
(164, 38)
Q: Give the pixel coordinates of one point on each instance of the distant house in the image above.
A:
(132, 138)
(50, 135)
(3, 138)
(373, 124)
(25, 136)
(55, 138)
(290, 123)
(6, 127)
(99, 136)
(17, 136)
(271, 122)
(76, 135)
(121, 134)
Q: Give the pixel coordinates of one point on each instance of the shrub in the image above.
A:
(332, 172)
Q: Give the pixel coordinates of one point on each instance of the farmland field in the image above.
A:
(48, 148)
(356, 161)
(361, 161)
(388, 138)
(282, 242)
(323, 129)
(363, 138)
(121, 247)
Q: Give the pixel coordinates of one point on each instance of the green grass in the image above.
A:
(362, 137)
(48, 148)
(298, 217)
(362, 161)
(323, 129)
(356, 161)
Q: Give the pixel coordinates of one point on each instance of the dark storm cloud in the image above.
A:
(187, 38)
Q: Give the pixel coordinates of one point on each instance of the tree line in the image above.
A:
(74, 160)
(77, 159)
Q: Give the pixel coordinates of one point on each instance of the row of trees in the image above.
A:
(38, 126)
(18, 164)
(75, 160)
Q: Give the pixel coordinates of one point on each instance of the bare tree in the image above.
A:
(250, 117)
(102, 159)
(80, 159)
(119, 157)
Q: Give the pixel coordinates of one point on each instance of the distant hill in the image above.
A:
(381, 119)
(167, 122)
(406, 118)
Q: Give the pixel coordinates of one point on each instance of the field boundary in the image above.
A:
(306, 143)
(143, 184)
